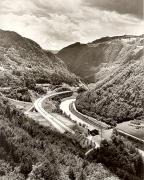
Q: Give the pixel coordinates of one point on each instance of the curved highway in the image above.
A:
(55, 122)
(68, 107)
(65, 107)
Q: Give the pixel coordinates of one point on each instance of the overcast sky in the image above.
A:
(57, 23)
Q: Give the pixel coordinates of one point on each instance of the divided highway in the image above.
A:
(65, 107)
(68, 107)
(61, 127)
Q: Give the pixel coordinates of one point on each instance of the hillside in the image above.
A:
(119, 94)
(22, 58)
(94, 61)
(31, 151)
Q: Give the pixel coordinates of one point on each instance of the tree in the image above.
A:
(49, 171)
(26, 165)
(140, 167)
(71, 174)
(82, 176)
(120, 158)
(29, 82)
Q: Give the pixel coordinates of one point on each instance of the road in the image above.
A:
(91, 123)
(64, 106)
(55, 122)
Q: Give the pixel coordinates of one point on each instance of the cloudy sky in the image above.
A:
(58, 23)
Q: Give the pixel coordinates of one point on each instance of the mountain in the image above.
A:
(93, 61)
(118, 94)
(22, 58)
(31, 151)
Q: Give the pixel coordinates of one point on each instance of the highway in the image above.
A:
(88, 119)
(55, 122)
(68, 107)
(65, 107)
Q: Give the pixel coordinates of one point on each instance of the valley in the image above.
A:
(53, 123)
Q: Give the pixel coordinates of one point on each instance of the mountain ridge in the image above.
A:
(85, 60)
(25, 56)
(118, 94)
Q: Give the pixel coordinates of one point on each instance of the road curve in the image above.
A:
(55, 122)
(64, 106)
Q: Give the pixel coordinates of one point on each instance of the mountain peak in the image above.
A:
(86, 60)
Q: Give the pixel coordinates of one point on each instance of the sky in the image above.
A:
(55, 24)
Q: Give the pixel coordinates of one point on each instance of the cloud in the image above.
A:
(58, 23)
(50, 33)
(134, 7)
(58, 5)
(39, 6)
(95, 23)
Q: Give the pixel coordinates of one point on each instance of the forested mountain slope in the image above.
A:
(94, 61)
(22, 58)
(30, 151)
(119, 94)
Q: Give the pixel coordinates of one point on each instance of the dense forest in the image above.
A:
(119, 97)
(34, 152)
(20, 57)
(120, 157)
(28, 150)
(96, 60)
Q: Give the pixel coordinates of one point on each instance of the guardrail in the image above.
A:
(59, 93)
(88, 119)
(55, 122)
(131, 137)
